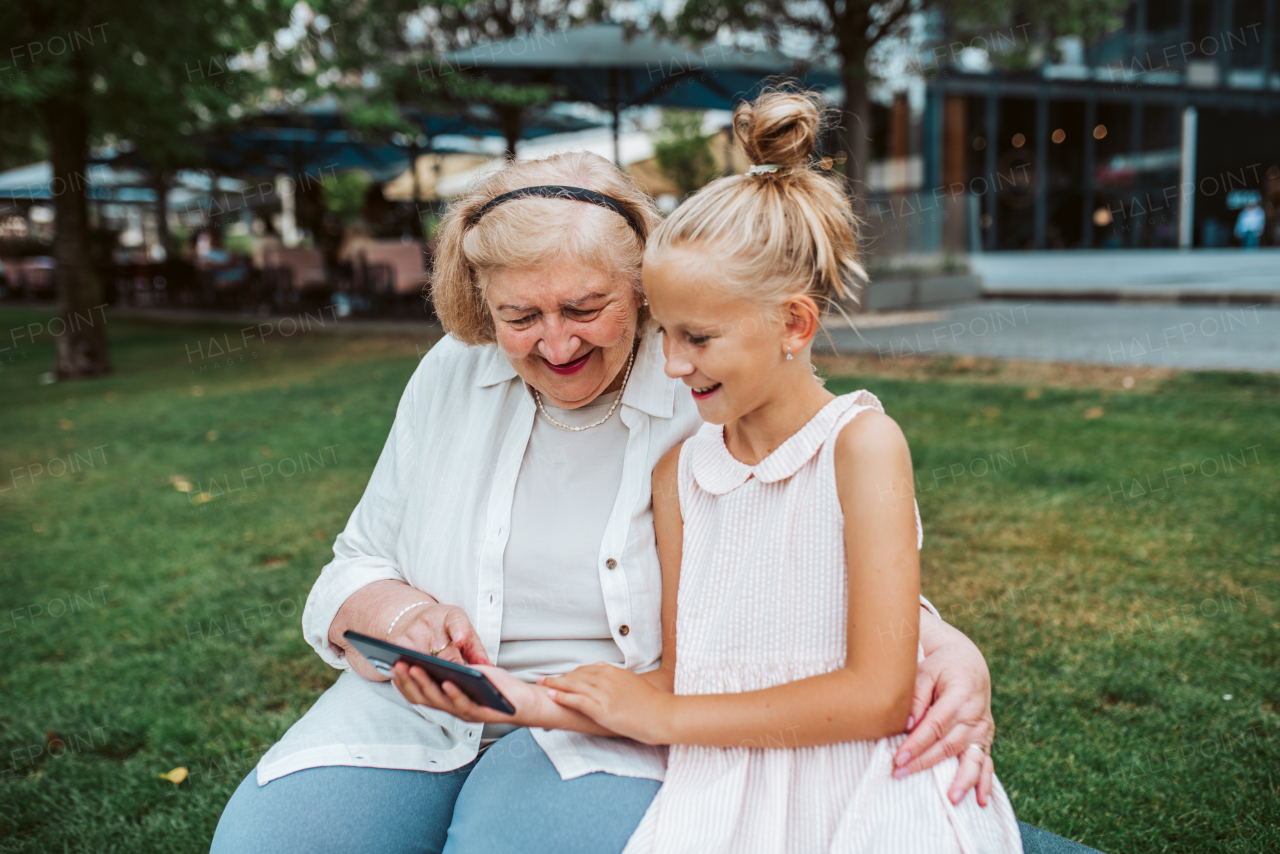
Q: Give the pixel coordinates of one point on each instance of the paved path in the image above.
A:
(1166, 274)
(1173, 336)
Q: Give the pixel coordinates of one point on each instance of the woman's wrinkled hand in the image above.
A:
(950, 711)
(615, 698)
(443, 631)
(420, 689)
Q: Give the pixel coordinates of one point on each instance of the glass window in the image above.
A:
(1202, 33)
(1243, 42)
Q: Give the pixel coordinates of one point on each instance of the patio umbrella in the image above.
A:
(600, 65)
(110, 179)
(317, 138)
(309, 140)
(442, 130)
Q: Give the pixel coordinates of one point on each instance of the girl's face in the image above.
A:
(567, 329)
(726, 349)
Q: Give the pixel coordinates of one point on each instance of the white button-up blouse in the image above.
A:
(437, 514)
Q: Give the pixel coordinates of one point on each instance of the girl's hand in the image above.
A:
(420, 689)
(615, 698)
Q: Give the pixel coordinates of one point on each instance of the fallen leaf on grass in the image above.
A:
(1094, 412)
(176, 776)
(180, 482)
(274, 562)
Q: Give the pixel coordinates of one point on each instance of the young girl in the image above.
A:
(789, 540)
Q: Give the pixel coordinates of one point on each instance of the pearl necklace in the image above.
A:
(607, 415)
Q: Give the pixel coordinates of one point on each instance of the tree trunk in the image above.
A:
(509, 117)
(855, 122)
(162, 215)
(81, 349)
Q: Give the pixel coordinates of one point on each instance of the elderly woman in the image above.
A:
(509, 520)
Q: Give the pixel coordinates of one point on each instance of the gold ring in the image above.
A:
(436, 652)
(981, 749)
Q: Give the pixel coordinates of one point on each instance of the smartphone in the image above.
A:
(383, 656)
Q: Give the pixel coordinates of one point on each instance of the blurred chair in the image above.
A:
(393, 274)
(32, 278)
(8, 279)
(293, 276)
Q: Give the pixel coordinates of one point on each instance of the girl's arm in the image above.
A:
(668, 528)
(870, 697)
(533, 706)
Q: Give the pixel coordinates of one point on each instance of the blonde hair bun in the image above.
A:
(778, 128)
(774, 234)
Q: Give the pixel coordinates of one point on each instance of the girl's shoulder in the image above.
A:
(853, 404)
(865, 429)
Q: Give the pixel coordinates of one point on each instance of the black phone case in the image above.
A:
(383, 656)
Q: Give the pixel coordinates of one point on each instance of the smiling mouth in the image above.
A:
(704, 393)
(570, 367)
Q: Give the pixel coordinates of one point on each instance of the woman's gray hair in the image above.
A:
(529, 232)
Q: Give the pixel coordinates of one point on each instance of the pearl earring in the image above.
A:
(789, 356)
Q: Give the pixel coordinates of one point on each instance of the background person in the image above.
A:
(1250, 224)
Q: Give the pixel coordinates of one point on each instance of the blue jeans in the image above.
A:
(509, 801)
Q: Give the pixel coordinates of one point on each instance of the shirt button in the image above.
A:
(624, 630)
(611, 563)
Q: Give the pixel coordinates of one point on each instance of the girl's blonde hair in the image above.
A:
(774, 234)
(529, 232)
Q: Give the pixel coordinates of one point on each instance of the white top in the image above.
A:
(555, 617)
(437, 513)
(763, 601)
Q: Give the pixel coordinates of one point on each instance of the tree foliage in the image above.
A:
(391, 54)
(846, 32)
(83, 72)
(682, 151)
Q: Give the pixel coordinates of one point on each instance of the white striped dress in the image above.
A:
(763, 601)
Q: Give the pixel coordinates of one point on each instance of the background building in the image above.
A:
(1154, 136)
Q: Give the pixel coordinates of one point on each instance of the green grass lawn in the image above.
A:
(146, 627)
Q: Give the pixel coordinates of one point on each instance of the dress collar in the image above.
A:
(718, 471)
(649, 389)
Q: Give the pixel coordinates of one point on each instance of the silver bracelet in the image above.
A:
(402, 613)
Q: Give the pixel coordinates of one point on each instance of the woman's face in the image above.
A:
(566, 328)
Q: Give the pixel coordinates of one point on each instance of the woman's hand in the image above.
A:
(416, 619)
(617, 699)
(950, 711)
(443, 631)
(420, 689)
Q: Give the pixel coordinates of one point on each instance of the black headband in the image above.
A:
(577, 194)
